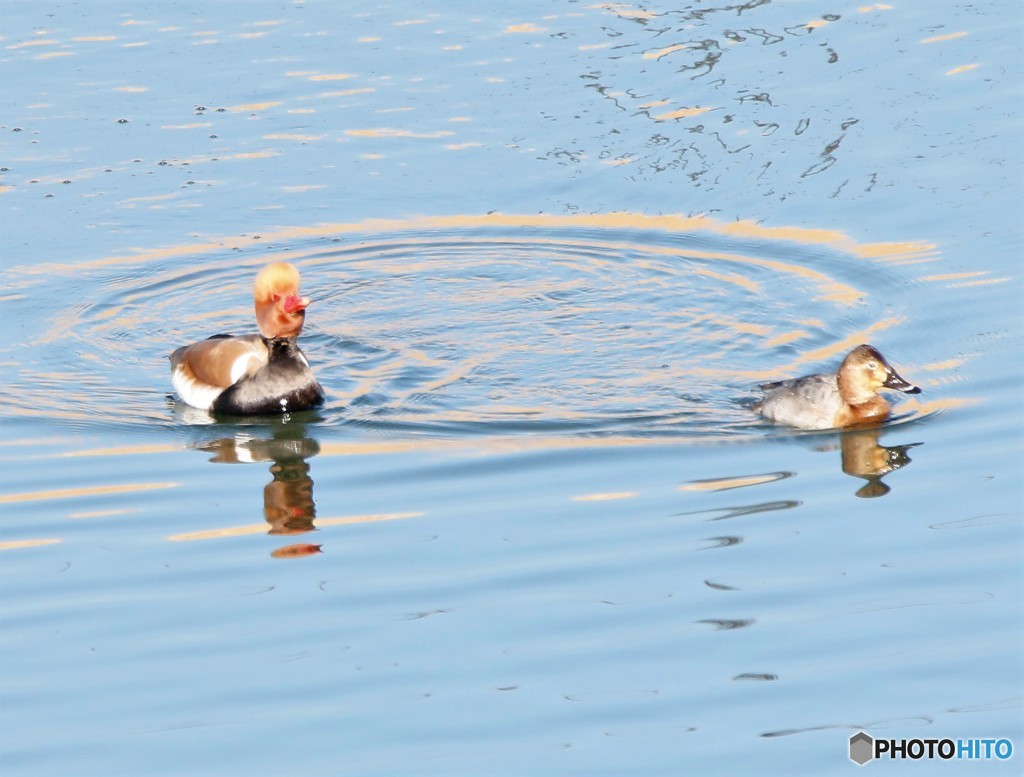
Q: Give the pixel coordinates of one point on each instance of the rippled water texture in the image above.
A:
(552, 249)
(496, 325)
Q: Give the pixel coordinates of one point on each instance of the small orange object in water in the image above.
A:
(294, 551)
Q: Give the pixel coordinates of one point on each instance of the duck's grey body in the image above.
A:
(810, 402)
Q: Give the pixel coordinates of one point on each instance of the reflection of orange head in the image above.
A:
(864, 457)
(288, 502)
(280, 311)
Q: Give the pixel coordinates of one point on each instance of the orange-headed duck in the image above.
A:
(846, 398)
(253, 374)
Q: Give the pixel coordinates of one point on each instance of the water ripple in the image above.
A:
(479, 326)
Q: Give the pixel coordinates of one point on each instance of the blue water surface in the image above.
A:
(535, 529)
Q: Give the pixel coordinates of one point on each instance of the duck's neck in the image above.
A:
(280, 346)
(852, 393)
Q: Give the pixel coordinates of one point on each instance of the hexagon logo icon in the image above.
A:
(862, 748)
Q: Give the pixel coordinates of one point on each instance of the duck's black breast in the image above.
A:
(284, 384)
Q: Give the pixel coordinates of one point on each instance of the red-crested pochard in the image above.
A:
(253, 374)
(848, 397)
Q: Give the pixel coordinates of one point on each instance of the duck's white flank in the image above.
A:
(202, 395)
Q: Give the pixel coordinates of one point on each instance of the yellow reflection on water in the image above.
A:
(786, 337)
(965, 279)
(255, 106)
(264, 154)
(150, 198)
(955, 276)
(525, 28)
(18, 544)
(72, 493)
(605, 497)
(849, 343)
(124, 450)
(624, 11)
(659, 53)
(373, 518)
(926, 407)
(100, 514)
(292, 136)
(613, 220)
(331, 76)
(28, 43)
(899, 252)
(680, 113)
(725, 484)
(338, 93)
(261, 528)
(389, 132)
(984, 282)
(948, 364)
(949, 36)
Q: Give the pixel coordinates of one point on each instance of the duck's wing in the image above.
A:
(201, 372)
(221, 360)
(810, 402)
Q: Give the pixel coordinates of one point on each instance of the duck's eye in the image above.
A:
(872, 365)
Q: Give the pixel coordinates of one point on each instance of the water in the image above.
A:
(535, 529)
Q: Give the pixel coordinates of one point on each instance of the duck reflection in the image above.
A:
(861, 456)
(288, 504)
(864, 457)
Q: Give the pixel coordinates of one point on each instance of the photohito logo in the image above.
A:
(864, 748)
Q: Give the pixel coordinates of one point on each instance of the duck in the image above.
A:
(255, 374)
(848, 397)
